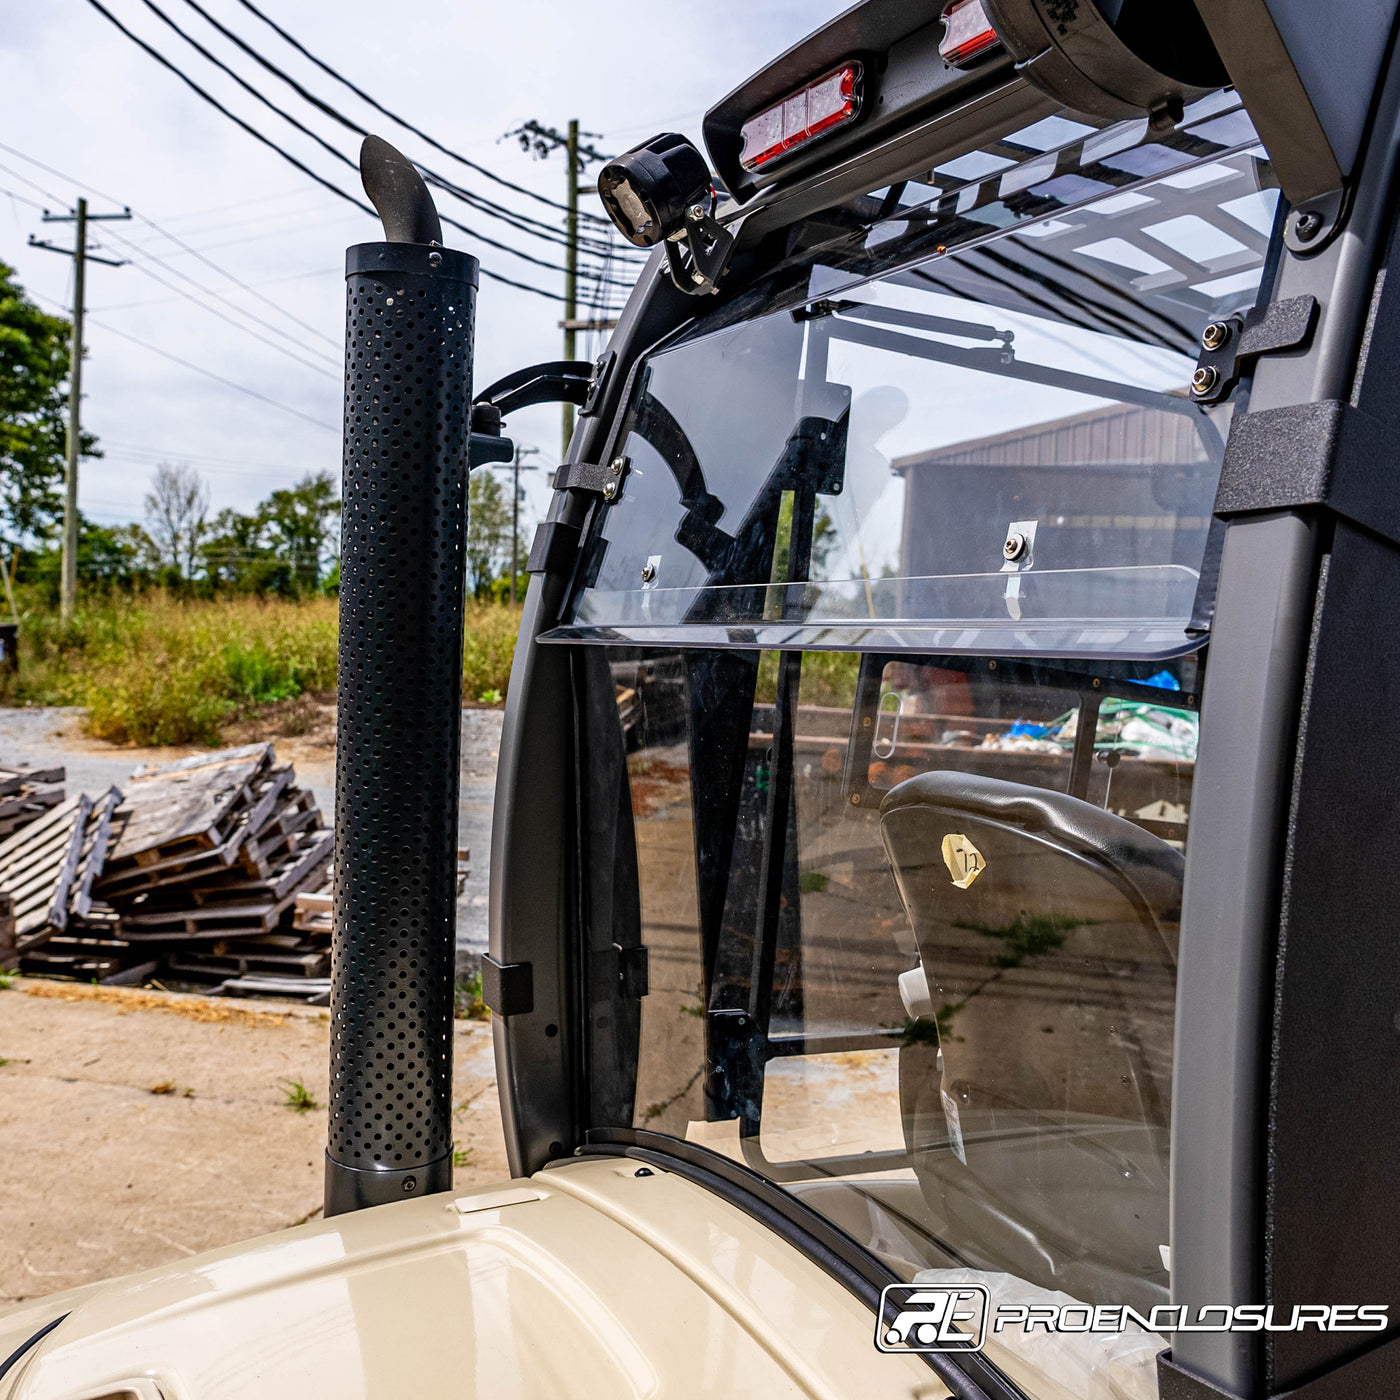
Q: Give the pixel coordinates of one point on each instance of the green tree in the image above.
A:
(34, 353)
(300, 525)
(488, 530)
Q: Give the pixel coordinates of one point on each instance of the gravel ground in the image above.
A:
(52, 735)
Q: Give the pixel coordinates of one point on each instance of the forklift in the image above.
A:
(945, 863)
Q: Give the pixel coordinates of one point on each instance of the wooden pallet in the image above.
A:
(189, 806)
(38, 866)
(187, 865)
(240, 961)
(316, 990)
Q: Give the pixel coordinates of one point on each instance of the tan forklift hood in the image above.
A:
(586, 1280)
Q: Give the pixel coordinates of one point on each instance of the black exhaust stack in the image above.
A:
(408, 367)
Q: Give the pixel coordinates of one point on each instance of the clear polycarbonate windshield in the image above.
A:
(992, 449)
(887, 650)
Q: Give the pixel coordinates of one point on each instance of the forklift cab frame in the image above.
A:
(1105, 623)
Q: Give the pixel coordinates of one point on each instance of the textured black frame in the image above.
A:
(410, 310)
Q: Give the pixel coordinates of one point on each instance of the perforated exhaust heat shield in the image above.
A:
(402, 577)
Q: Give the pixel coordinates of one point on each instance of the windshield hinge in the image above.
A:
(1227, 344)
(601, 479)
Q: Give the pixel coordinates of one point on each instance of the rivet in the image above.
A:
(434, 259)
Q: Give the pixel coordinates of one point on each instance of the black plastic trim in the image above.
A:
(18, 1354)
(1325, 454)
(855, 1268)
(554, 548)
(508, 989)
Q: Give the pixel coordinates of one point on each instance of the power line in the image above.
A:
(522, 222)
(286, 155)
(407, 126)
(247, 330)
(325, 145)
(209, 291)
(219, 378)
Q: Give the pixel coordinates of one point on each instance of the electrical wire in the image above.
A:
(522, 222)
(218, 378)
(286, 155)
(325, 145)
(408, 126)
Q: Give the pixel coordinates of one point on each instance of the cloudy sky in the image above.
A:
(218, 344)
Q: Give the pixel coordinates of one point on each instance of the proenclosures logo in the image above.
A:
(959, 1317)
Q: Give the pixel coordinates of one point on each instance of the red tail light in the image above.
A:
(967, 33)
(829, 102)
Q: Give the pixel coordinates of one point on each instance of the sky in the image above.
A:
(218, 344)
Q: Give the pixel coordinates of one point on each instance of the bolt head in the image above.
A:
(410, 1184)
(1205, 379)
(1215, 335)
(698, 277)
(696, 212)
(616, 467)
(610, 491)
(1308, 226)
(648, 572)
(1015, 546)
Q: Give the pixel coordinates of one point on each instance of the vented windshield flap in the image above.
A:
(994, 450)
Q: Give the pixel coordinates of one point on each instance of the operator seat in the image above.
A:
(1036, 1099)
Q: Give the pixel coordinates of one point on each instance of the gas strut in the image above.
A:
(408, 367)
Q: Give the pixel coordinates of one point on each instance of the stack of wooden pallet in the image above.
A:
(315, 909)
(211, 856)
(26, 794)
(48, 869)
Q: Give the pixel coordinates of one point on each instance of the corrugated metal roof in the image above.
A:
(1118, 435)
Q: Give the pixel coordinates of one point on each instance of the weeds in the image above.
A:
(166, 1086)
(467, 1002)
(462, 1157)
(297, 1096)
(158, 669)
(8, 979)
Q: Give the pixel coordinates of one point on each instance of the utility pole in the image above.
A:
(516, 467)
(80, 253)
(540, 141)
(570, 285)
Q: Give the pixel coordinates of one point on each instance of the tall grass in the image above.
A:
(161, 670)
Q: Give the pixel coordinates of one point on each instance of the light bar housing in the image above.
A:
(967, 33)
(827, 103)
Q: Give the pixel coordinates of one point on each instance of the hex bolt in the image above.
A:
(1308, 226)
(698, 277)
(1215, 335)
(697, 212)
(1015, 546)
(648, 572)
(610, 491)
(1205, 379)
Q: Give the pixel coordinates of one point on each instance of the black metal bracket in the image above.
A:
(632, 971)
(1227, 345)
(552, 381)
(508, 989)
(1176, 1383)
(594, 477)
(554, 548)
(1326, 454)
(709, 244)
